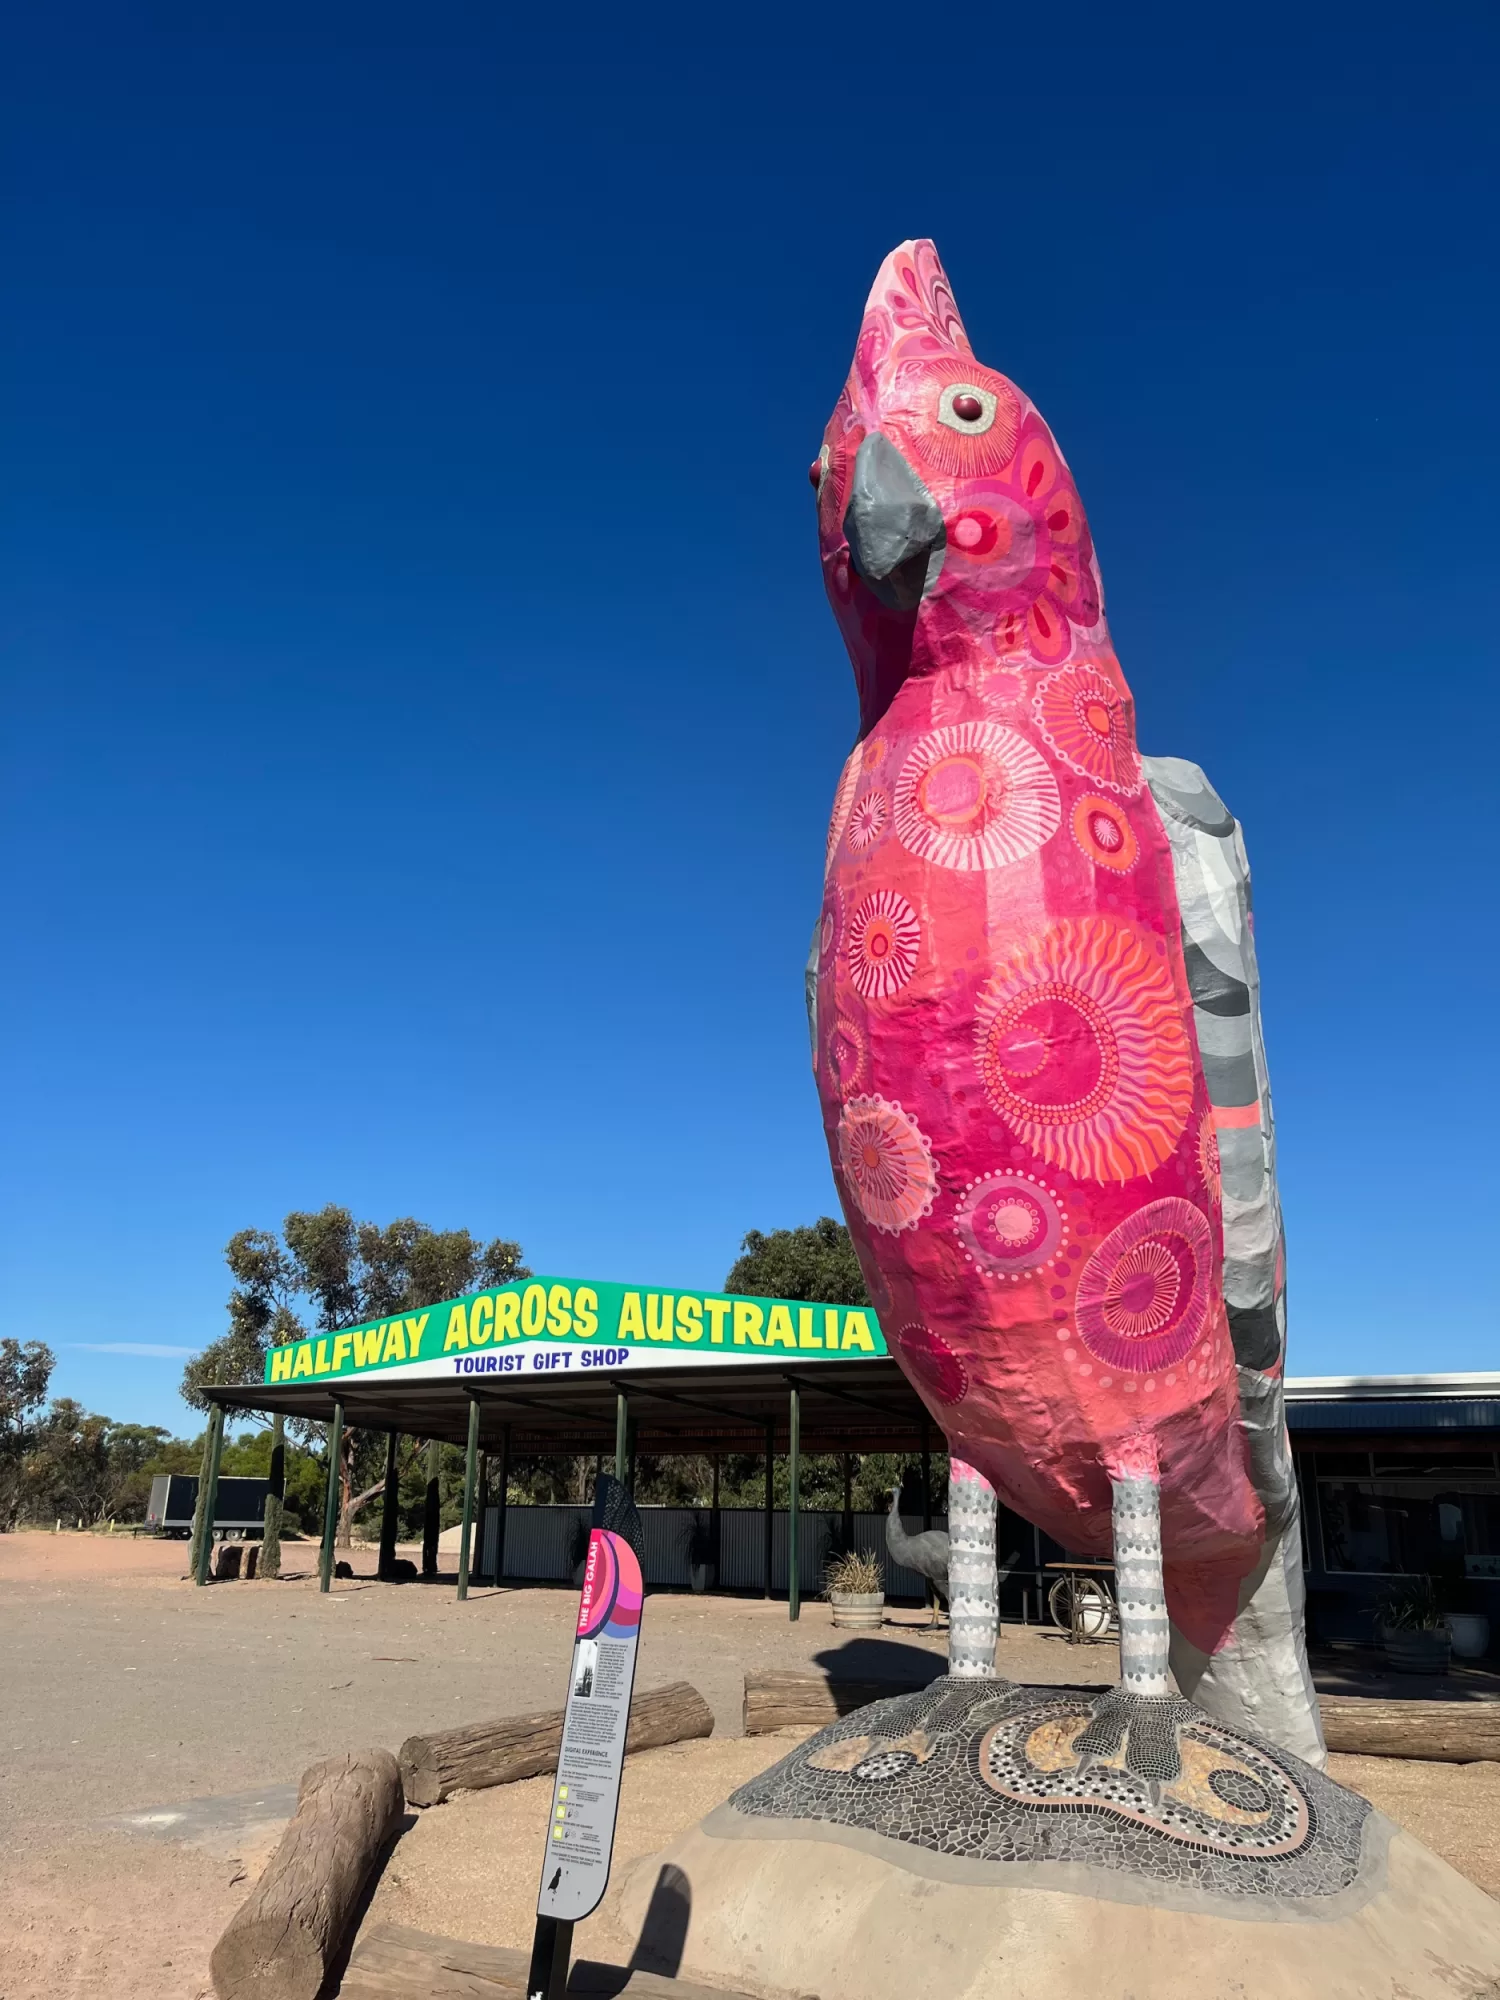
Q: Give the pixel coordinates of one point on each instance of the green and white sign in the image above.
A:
(536, 1325)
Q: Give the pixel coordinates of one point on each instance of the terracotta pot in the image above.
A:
(858, 1610)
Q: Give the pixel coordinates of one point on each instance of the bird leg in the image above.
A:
(1144, 1711)
(973, 1593)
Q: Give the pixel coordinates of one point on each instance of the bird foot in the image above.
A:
(1146, 1724)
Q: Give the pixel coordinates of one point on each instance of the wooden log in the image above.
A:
(525, 1746)
(394, 1963)
(279, 1942)
(1437, 1732)
(1440, 1731)
(776, 1698)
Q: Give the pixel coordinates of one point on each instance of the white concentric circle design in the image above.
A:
(975, 795)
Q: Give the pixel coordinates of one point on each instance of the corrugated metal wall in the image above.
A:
(539, 1544)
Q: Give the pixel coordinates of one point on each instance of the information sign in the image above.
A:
(586, 1794)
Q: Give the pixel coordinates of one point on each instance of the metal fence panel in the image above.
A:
(539, 1544)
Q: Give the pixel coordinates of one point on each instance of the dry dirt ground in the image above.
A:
(156, 1733)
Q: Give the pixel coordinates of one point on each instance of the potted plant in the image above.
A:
(1413, 1628)
(698, 1548)
(854, 1585)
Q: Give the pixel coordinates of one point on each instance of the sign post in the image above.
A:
(586, 1795)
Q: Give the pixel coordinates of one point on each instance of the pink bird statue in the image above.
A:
(1037, 1045)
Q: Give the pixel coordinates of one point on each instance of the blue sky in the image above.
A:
(422, 707)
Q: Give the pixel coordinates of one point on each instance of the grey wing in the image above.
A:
(1218, 942)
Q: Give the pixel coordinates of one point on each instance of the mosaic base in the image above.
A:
(981, 1771)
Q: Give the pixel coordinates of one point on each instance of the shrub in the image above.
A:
(854, 1572)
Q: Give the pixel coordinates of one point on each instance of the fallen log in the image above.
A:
(279, 1942)
(1439, 1732)
(1436, 1732)
(526, 1746)
(776, 1698)
(394, 1963)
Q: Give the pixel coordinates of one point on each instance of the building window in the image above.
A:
(1447, 1525)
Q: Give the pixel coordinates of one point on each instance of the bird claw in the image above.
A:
(1147, 1727)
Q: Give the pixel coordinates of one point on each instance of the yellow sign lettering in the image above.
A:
(830, 1326)
(281, 1369)
(560, 1309)
(321, 1363)
(302, 1365)
(508, 1317)
(585, 1312)
(659, 1316)
(395, 1342)
(458, 1329)
(805, 1335)
(367, 1346)
(718, 1312)
(779, 1332)
(533, 1310)
(689, 1319)
(748, 1321)
(857, 1332)
(481, 1321)
(632, 1326)
(415, 1328)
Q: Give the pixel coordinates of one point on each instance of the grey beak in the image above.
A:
(894, 526)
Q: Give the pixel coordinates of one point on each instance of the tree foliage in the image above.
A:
(815, 1262)
(25, 1370)
(328, 1268)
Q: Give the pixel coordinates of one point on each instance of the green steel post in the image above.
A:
(794, 1480)
(770, 1520)
(210, 1492)
(331, 1499)
(390, 1507)
(471, 1474)
(622, 1435)
(432, 1517)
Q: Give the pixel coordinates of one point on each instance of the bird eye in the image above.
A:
(966, 407)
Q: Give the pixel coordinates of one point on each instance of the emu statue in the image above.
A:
(960, 1566)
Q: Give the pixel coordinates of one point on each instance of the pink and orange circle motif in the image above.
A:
(975, 795)
(1104, 834)
(869, 821)
(843, 799)
(1010, 1224)
(1082, 715)
(882, 946)
(1081, 1048)
(1144, 1295)
(1208, 1157)
(932, 1364)
(887, 1164)
(848, 1054)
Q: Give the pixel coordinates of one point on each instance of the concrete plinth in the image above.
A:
(953, 1842)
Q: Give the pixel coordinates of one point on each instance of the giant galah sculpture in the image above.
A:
(1036, 1037)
